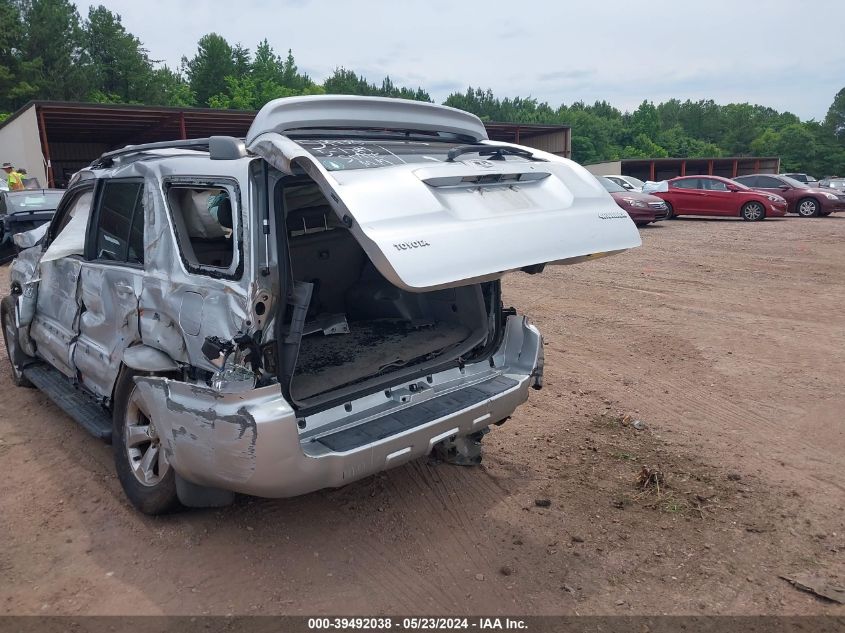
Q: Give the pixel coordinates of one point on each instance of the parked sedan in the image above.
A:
(642, 207)
(714, 195)
(801, 198)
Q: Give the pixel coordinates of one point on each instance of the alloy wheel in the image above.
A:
(807, 208)
(753, 211)
(143, 446)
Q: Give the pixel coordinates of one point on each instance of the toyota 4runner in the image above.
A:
(301, 309)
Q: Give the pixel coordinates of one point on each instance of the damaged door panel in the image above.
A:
(197, 286)
(55, 325)
(110, 284)
(108, 325)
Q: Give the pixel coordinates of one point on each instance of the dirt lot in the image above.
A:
(724, 338)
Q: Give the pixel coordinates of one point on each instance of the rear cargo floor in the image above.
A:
(328, 362)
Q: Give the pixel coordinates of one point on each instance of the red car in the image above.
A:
(642, 207)
(801, 198)
(714, 195)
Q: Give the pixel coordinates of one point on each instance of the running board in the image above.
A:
(75, 402)
(416, 415)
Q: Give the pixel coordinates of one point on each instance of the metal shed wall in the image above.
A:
(666, 168)
(610, 168)
(553, 142)
(21, 145)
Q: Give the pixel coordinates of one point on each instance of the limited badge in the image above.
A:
(612, 215)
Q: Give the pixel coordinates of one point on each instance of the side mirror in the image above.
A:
(784, 187)
(732, 188)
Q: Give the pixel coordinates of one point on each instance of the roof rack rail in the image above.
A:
(219, 148)
(108, 157)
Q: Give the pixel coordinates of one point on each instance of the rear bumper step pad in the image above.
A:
(416, 415)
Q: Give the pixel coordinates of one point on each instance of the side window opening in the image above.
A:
(120, 231)
(69, 236)
(204, 221)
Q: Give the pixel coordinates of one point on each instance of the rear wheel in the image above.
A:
(139, 457)
(753, 211)
(808, 208)
(10, 338)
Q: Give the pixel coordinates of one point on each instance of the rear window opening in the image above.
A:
(340, 154)
(204, 222)
(358, 326)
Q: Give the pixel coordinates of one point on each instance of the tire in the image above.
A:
(808, 208)
(753, 211)
(670, 212)
(10, 337)
(147, 478)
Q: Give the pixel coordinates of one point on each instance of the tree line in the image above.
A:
(49, 51)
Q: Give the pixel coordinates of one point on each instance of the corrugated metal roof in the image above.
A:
(119, 124)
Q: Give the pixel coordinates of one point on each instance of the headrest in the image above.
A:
(224, 212)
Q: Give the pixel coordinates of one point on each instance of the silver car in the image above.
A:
(301, 309)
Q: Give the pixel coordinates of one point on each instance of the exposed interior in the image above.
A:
(203, 220)
(360, 326)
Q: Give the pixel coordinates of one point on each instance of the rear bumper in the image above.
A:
(252, 442)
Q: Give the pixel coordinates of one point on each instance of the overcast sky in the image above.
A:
(787, 54)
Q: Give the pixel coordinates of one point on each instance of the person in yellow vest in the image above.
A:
(14, 179)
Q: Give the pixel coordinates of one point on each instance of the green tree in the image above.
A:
(835, 119)
(54, 46)
(644, 121)
(291, 77)
(208, 68)
(266, 65)
(170, 88)
(678, 144)
(347, 82)
(268, 77)
(14, 88)
(643, 147)
(121, 70)
(795, 145)
(240, 61)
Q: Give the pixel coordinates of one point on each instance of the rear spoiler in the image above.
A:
(284, 116)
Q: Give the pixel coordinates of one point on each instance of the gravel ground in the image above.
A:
(712, 358)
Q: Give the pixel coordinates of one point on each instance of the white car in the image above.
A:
(627, 182)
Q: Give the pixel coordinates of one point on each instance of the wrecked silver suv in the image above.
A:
(303, 309)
